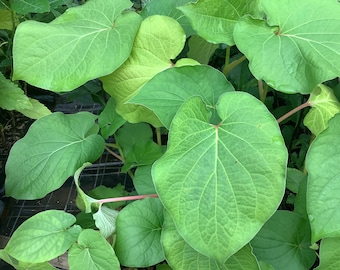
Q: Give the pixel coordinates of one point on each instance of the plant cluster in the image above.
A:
(208, 111)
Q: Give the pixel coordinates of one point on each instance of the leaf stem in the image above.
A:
(290, 113)
(127, 198)
(233, 64)
(158, 136)
(113, 153)
(263, 89)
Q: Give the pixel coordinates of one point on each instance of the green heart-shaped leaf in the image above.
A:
(284, 242)
(222, 182)
(296, 48)
(180, 255)
(43, 237)
(322, 163)
(168, 90)
(92, 251)
(138, 233)
(324, 106)
(82, 44)
(215, 20)
(159, 39)
(54, 147)
(329, 254)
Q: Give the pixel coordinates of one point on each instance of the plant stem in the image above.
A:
(290, 113)
(127, 198)
(233, 64)
(227, 56)
(113, 153)
(263, 89)
(158, 135)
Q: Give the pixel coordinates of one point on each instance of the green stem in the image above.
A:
(127, 198)
(158, 136)
(263, 89)
(113, 153)
(227, 56)
(290, 113)
(233, 64)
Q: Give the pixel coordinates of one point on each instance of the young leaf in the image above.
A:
(92, 251)
(159, 39)
(139, 227)
(105, 220)
(167, 91)
(32, 6)
(108, 120)
(324, 106)
(322, 164)
(54, 147)
(43, 237)
(180, 255)
(215, 20)
(292, 50)
(222, 182)
(294, 179)
(329, 254)
(82, 44)
(284, 242)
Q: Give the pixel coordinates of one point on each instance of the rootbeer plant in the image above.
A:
(217, 195)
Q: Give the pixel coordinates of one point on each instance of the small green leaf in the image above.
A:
(6, 20)
(138, 233)
(292, 50)
(32, 6)
(54, 147)
(284, 242)
(43, 237)
(180, 255)
(92, 251)
(215, 20)
(18, 265)
(167, 91)
(300, 199)
(324, 106)
(143, 180)
(294, 179)
(322, 163)
(222, 182)
(102, 192)
(82, 44)
(159, 39)
(11, 96)
(200, 49)
(105, 220)
(37, 110)
(108, 120)
(329, 254)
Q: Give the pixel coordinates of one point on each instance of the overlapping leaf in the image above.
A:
(222, 182)
(168, 90)
(296, 48)
(32, 6)
(159, 39)
(329, 254)
(322, 162)
(284, 242)
(324, 106)
(214, 20)
(54, 147)
(43, 237)
(92, 251)
(82, 44)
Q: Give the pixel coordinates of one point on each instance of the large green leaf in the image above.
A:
(138, 233)
(284, 242)
(168, 90)
(54, 147)
(329, 254)
(92, 251)
(180, 255)
(159, 39)
(214, 20)
(322, 162)
(222, 182)
(43, 237)
(82, 44)
(296, 48)
(324, 106)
